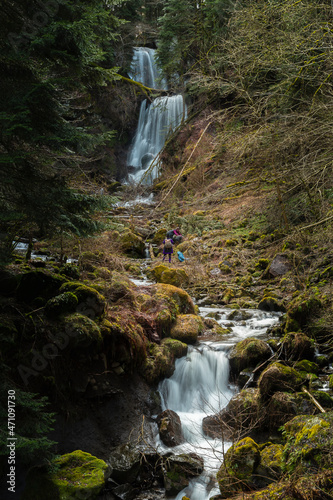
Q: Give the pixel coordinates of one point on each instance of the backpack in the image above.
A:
(181, 257)
(167, 244)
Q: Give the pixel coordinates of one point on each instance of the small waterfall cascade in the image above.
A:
(199, 387)
(156, 120)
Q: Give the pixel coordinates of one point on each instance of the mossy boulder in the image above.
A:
(120, 287)
(160, 360)
(39, 283)
(78, 475)
(242, 412)
(279, 377)
(169, 427)
(236, 472)
(82, 332)
(248, 354)
(270, 467)
(179, 469)
(187, 328)
(304, 365)
(270, 304)
(181, 298)
(61, 304)
(90, 302)
(159, 236)
(301, 308)
(131, 244)
(309, 441)
(212, 327)
(169, 275)
(298, 346)
(284, 406)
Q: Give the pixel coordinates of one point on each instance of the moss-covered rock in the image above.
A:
(61, 304)
(82, 332)
(181, 298)
(304, 365)
(131, 244)
(90, 302)
(270, 467)
(168, 275)
(270, 304)
(179, 469)
(242, 412)
(309, 441)
(160, 360)
(159, 236)
(247, 354)
(78, 475)
(284, 406)
(240, 462)
(39, 283)
(279, 377)
(187, 328)
(297, 346)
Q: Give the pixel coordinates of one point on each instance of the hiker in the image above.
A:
(175, 235)
(168, 248)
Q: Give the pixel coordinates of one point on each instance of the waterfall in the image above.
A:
(156, 120)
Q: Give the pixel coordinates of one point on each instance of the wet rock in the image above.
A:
(179, 469)
(242, 412)
(169, 426)
(283, 406)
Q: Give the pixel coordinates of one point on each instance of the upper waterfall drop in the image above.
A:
(156, 121)
(145, 70)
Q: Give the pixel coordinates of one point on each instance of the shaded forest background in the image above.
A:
(257, 79)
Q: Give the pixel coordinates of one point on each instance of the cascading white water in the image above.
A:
(156, 120)
(199, 387)
(145, 70)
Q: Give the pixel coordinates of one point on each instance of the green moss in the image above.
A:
(90, 301)
(187, 328)
(77, 475)
(61, 304)
(180, 297)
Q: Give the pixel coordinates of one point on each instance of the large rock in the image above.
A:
(179, 469)
(243, 412)
(298, 346)
(284, 406)
(181, 299)
(309, 442)
(77, 475)
(187, 328)
(131, 244)
(90, 302)
(248, 354)
(280, 265)
(170, 429)
(240, 462)
(270, 467)
(279, 377)
(160, 360)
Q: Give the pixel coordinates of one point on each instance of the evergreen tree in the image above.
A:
(52, 56)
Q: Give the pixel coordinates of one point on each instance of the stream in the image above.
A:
(200, 386)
